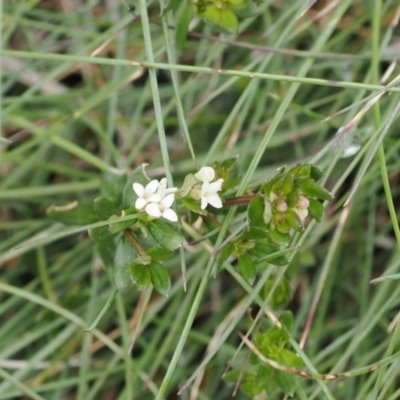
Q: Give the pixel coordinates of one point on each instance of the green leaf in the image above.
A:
(282, 294)
(290, 359)
(231, 376)
(311, 189)
(225, 168)
(246, 268)
(254, 233)
(104, 208)
(316, 209)
(101, 234)
(231, 183)
(247, 11)
(223, 255)
(316, 173)
(165, 233)
(124, 257)
(120, 226)
(262, 249)
(255, 210)
(160, 278)
(106, 251)
(286, 381)
(158, 254)
(304, 171)
(193, 205)
(251, 388)
(265, 377)
(287, 184)
(75, 213)
(112, 185)
(141, 275)
(223, 18)
(182, 26)
(293, 220)
(287, 319)
(279, 237)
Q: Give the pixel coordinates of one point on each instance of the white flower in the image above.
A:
(206, 174)
(146, 194)
(163, 208)
(209, 194)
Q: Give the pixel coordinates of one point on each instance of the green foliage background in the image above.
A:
(89, 87)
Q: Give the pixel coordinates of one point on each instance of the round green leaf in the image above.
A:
(160, 278)
(223, 255)
(286, 381)
(287, 319)
(101, 234)
(165, 233)
(158, 254)
(75, 213)
(223, 18)
(141, 275)
(262, 250)
(282, 294)
(120, 226)
(247, 268)
(124, 257)
(104, 208)
(255, 210)
(106, 251)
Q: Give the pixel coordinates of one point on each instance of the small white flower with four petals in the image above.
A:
(208, 193)
(146, 194)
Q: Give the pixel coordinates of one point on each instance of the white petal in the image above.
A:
(154, 198)
(152, 186)
(206, 174)
(214, 200)
(168, 200)
(170, 214)
(205, 189)
(140, 203)
(163, 183)
(153, 210)
(204, 202)
(170, 190)
(138, 189)
(216, 186)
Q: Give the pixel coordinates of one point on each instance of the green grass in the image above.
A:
(96, 88)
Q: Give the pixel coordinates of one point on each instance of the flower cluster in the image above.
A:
(156, 199)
